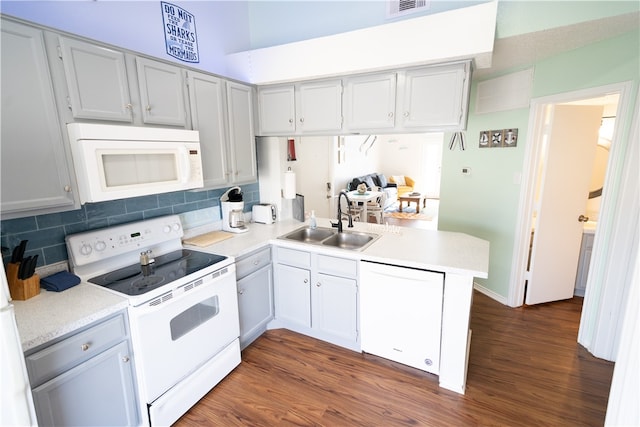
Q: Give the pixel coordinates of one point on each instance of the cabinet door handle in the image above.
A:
(85, 347)
(241, 291)
(290, 120)
(306, 281)
(391, 115)
(301, 119)
(583, 218)
(125, 359)
(318, 284)
(406, 114)
(148, 108)
(128, 107)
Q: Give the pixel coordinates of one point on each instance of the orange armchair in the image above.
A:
(405, 184)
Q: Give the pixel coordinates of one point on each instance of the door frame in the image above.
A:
(571, 135)
(597, 296)
(603, 239)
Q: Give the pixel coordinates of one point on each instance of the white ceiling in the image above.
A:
(526, 49)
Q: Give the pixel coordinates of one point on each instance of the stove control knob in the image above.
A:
(176, 227)
(167, 229)
(86, 249)
(101, 246)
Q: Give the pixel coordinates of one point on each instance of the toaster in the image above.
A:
(264, 213)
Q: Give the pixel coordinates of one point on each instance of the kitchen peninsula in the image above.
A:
(457, 258)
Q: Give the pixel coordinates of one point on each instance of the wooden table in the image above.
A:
(355, 197)
(420, 198)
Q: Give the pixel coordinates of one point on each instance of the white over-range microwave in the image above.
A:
(117, 162)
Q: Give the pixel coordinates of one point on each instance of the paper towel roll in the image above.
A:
(289, 188)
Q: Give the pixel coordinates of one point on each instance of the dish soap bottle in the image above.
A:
(312, 221)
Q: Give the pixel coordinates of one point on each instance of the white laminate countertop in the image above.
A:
(50, 315)
(445, 251)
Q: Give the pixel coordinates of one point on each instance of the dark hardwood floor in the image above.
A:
(525, 369)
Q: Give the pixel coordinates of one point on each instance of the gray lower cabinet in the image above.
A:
(584, 261)
(87, 378)
(317, 295)
(36, 177)
(254, 275)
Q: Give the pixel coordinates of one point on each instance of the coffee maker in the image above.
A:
(232, 207)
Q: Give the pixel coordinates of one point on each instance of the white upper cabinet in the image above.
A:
(311, 107)
(276, 110)
(319, 106)
(96, 79)
(243, 165)
(106, 84)
(206, 95)
(222, 112)
(370, 102)
(434, 97)
(36, 176)
(161, 93)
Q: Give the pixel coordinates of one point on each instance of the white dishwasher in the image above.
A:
(401, 314)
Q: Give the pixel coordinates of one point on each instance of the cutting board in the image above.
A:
(207, 238)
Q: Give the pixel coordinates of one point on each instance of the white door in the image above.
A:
(564, 190)
(313, 172)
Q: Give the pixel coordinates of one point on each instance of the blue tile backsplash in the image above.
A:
(46, 233)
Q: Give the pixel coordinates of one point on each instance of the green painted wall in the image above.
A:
(485, 203)
(520, 17)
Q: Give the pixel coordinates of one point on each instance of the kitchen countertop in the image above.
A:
(445, 251)
(50, 315)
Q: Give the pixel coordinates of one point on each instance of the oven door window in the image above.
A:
(193, 317)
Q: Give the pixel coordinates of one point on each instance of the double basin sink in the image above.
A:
(353, 240)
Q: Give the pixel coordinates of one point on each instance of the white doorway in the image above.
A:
(613, 250)
(570, 138)
(539, 131)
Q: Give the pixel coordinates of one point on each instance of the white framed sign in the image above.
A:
(180, 35)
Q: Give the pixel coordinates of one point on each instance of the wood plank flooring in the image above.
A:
(525, 369)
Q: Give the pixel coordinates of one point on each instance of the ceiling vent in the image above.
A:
(405, 7)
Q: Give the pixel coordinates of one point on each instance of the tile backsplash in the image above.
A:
(46, 233)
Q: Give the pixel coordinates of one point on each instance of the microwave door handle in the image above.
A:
(185, 164)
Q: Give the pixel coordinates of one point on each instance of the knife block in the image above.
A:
(21, 289)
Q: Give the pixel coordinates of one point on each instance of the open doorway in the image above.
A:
(564, 219)
(613, 249)
(416, 157)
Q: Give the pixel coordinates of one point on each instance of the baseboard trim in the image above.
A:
(491, 294)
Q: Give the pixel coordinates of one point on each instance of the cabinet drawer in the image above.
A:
(64, 355)
(252, 262)
(337, 266)
(294, 258)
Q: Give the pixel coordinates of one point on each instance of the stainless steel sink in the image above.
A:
(310, 235)
(352, 240)
(349, 240)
